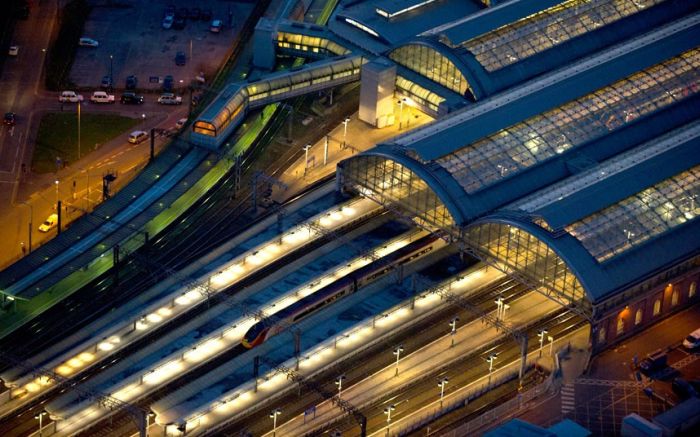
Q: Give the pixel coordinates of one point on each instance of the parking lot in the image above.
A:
(132, 41)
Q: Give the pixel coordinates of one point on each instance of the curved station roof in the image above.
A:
(570, 177)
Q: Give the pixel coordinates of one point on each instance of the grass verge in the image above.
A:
(58, 136)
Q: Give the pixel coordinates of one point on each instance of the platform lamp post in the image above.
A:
(401, 102)
(551, 344)
(388, 411)
(541, 335)
(31, 225)
(306, 158)
(339, 383)
(276, 412)
(40, 417)
(443, 382)
(499, 307)
(56, 183)
(78, 129)
(345, 131)
(506, 307)
(490, 360)
(453, 332)
(397, 352)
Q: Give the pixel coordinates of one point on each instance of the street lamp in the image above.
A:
(506, 307)
(541, 334)
(499, 307)
(40, 417)
(31, 219)
(388, 411)
(339, 383)
(325, 151)
(111, 73)
(397, 352)
(401, 102)
(276, 412)
(306, 157)
(490, 360)
(78, 129)
(551, 344)
(453, 325)
(56, 183)
(345, 130)
(443, 382)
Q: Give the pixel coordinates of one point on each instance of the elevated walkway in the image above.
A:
(227, 111)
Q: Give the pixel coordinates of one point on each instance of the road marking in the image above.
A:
(568, 398)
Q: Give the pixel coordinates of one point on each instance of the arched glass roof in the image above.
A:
(640, 217)
(430, 63)
(548, 28)
(541, 137)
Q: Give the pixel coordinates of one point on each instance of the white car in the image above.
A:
(49, 224)
(138, 136)
(14, 50)
(168, 21)
(88, 42)
(180, 123)
(102, 97)
(215, 26)
(169, 99)
(70, 97)
(692, 340)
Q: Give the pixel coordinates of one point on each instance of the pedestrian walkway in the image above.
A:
(345, 140)
(568, 398)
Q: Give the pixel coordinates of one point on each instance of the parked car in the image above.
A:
(106, 82)
(692, 340)
(88, 42)
(206, 15)
(138, 136)
(131, 98)
(50, 223)
(180, 123)
(179, 23)
(10, 119)
(13, 51)
(653, 362)
(215, 26)
(102, 97)
(131, 82)
(168, 22)
(169, 99)
(70, 97)
(168, 84)
(180, 58)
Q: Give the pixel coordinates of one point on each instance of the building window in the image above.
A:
(691, 289)
(638, 317)
(601, 335)
(620, 325)
(657, 307)
(674, 298)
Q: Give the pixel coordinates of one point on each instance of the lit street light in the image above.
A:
(339, 383)
(401, 102)
(397, 352)
(78, 129)
(276, 412)
(325, 151)
(453, 325)
(490, 360)
(306, 157)
(541, 335)
(388, 411)
(31, 219)
(56, 183)
(345, 130)
(443, 382)
(40, 417)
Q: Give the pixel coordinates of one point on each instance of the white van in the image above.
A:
(138, 136)
(693, 340)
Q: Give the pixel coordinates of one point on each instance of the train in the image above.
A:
(269, 326)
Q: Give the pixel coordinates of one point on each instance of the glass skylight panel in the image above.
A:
(638, 218)
(541, 137)
(543, 30)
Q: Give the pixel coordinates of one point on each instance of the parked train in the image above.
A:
(348, 284)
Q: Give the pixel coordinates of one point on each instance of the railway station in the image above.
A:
(551, 201)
